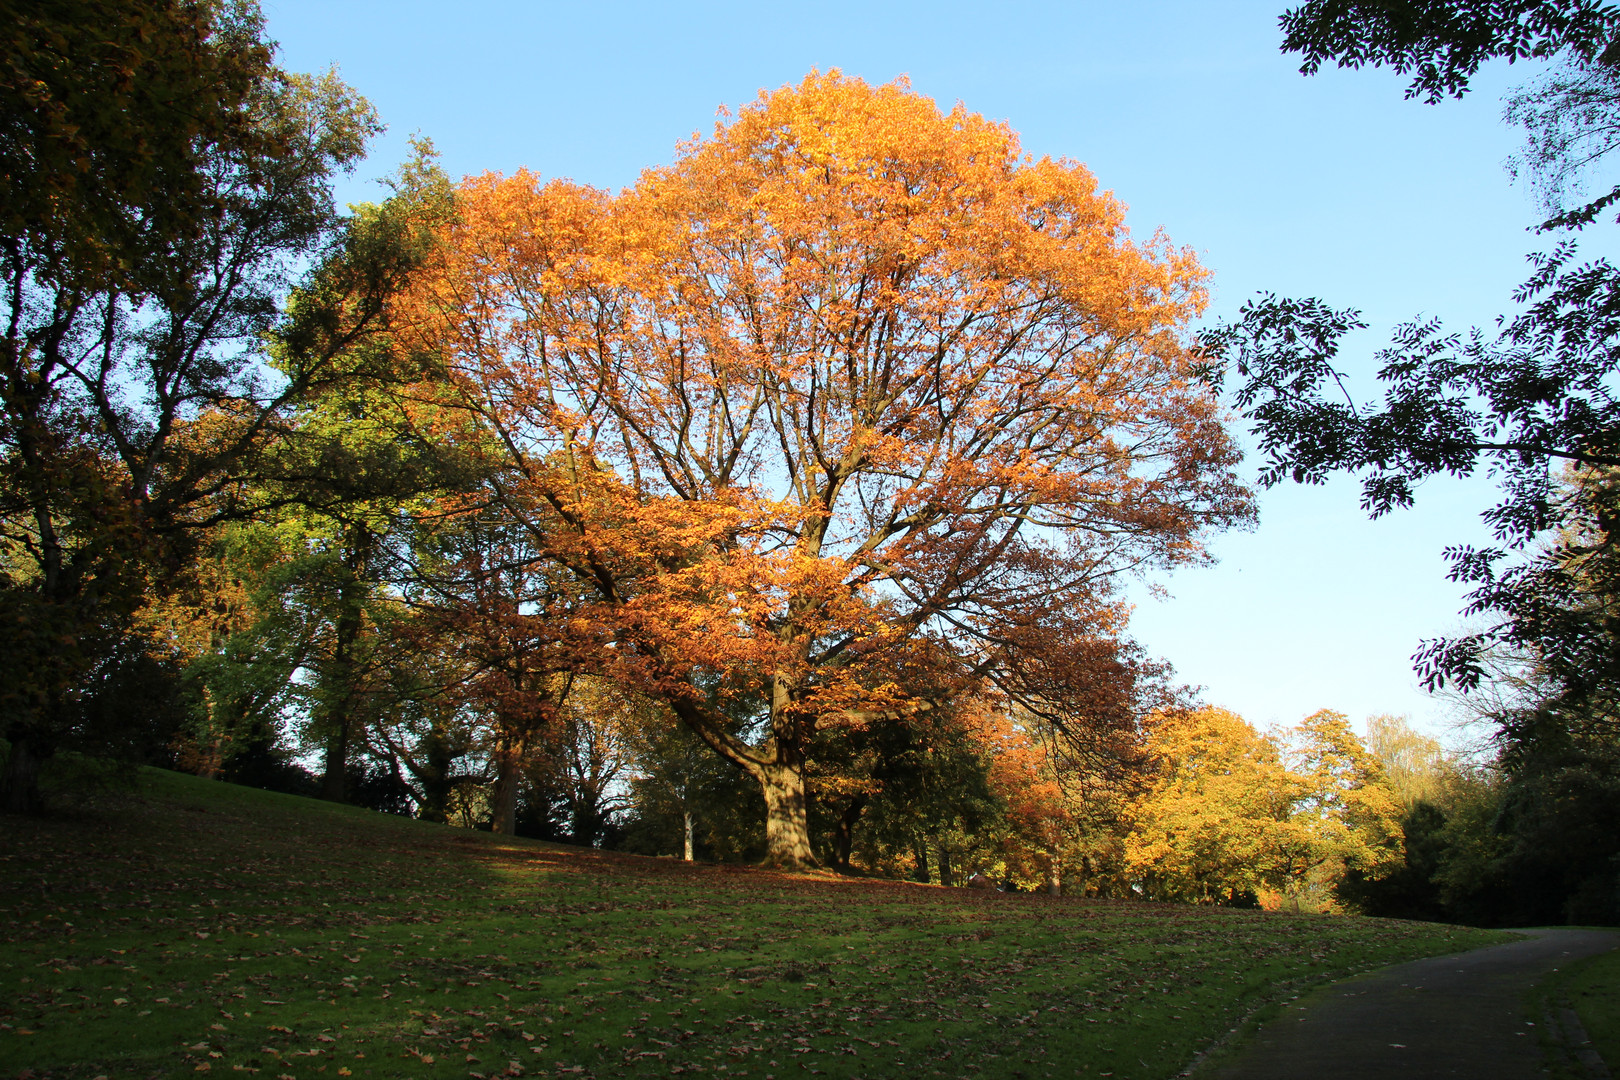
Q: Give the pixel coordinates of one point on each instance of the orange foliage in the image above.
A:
(852, 389)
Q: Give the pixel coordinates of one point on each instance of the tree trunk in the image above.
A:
(432, 772)
(787, 825)
(335, 775)
(947, 876)
(587, 820)
(1054, 876)
(920, 847)
(503, 800)
(210, 763)
(781, 778)
(844, 836)
(343, 676)
(687, 817)
(20, 784)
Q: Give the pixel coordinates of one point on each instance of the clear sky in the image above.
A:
(1332, 186)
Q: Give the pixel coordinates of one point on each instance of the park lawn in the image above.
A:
(189, 927)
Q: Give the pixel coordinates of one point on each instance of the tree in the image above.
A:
(1349, 815)
(1214, 828)
(586, 756)
(134, 395)
(1447, 810)
(1569, 117)
(429, 731)
(222, 620)
(1070, 811)
(350, 477)
(921, 791)
(494, 606)
(850, 400)
(1234, 815)
(1533, 404)
(1539, 393)
(682, 796)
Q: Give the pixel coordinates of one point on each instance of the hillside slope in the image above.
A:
(190, 927)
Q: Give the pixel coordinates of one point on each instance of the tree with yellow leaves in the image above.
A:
(1235, 815)
(1347, 816)
(1215, 827)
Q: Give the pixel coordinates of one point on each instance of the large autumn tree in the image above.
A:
(851, 409)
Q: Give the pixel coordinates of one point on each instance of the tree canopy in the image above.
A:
(1442, 43)
(849, 408)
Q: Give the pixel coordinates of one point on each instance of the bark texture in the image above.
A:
(787, 824)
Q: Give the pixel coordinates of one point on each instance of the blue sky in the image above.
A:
(1332, 186)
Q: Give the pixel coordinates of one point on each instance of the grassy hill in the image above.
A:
(187, 927)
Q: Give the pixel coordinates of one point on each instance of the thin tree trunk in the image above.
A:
(343, 676)
(586, 819)
(21, 780)
(920, 847)
(433, 774)
(844, 837)
(687, 818)
(212, 765)
(947, 876)
(1054, 876)
(210, 759)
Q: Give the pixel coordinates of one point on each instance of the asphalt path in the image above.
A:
(1463, 1015)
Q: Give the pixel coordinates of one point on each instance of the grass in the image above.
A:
(190, 927)
(1591, 988)
(1593, 991)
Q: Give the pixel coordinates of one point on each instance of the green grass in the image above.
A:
(1591, 987)
(193, 927)
(1593, 991)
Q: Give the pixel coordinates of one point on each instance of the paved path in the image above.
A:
(1448, 1016)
